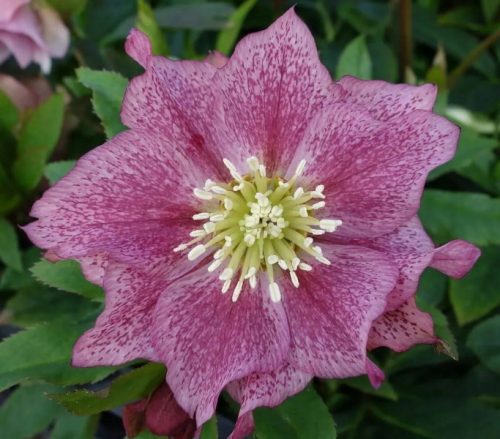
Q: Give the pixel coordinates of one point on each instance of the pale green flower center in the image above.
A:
(258, 223)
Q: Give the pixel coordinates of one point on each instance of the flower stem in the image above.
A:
(471, 58)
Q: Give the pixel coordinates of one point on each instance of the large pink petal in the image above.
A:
(268, 389)
(207, 341)
(9, 7)
(374, 172)
(25, 22)
(455, 258)
(385, 100)
(271, 87)
(124, 330)
(331, 313)
(244, 427)
(131, 198)
(402, 328)
(411, 249)
(175, 99)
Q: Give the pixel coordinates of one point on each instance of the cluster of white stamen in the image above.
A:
(258, 223)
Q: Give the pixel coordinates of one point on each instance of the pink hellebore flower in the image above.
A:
(31, 33)
(299, 247)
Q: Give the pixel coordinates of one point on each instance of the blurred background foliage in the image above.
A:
(45, 306)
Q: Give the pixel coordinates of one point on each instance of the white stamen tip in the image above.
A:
(218, 254)
(249, 240)
(201, 194)
(330, 225)
(209, 227)
(225, 287)
(253, 281)
(300, 167)
(303, 212)
(237, 291)
(305, 267)
(197, 233)
(232, 170)
(209, 184)
(282, 264)
(217, 217)
(295, 279)
(298, 193)
(251, 272)
(253, 163)
(227, 274)
(295, 263)
(272, 259)
(323, 260)
(228, 204)
(262, 170)
(201, 216)
(214, 265)
(196, 252)
(274, 292)
(308, 241)
(317, 232)
(218, 190)
(318, 205)
(180, 248)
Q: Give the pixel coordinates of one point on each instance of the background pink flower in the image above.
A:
(31, 33)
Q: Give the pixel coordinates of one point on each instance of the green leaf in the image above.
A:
(470, 149)
(13, 279)
(302, 416)
(198, 16)
(108, 89)
(447, 344)
(209, 430)
(68, 7)
(484, 340)
(385, 65)
(67, 276)
(129, 387)
(146, 22)
(466, 215)
(37, 139)
(39, 304)
(69, 426)
(478, 293)
(56, 170)
(9, 247)
(432, 287)
(355, 60)
(227, 37)
(27, 412)
(9, 114)
(43, 352)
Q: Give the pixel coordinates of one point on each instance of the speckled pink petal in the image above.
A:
(402, 328)
(124, 330)
(455, 258)
(130, 198)
(411, 249)
(331, 314)
(375, 374)
(207, 341)
(267, 389)
(271, 87)
(385, 100)
(374, 172)
(175, 99)
(9, 7)
(138, 47)
(244, 427)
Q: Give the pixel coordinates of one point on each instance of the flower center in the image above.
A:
(258, 223)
